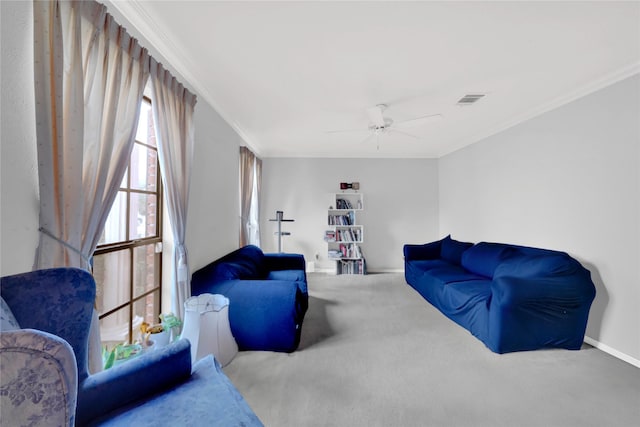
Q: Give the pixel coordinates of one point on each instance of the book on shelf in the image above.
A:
(343, 204)
(330, 236)
(334, 254)
(358, 266)
(340, 220)
(349, 235)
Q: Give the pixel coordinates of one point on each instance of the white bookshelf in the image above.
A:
(344, 235)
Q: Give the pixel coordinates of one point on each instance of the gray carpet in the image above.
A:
(374, 353)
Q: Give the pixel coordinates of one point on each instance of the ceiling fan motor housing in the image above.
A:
(387, 123)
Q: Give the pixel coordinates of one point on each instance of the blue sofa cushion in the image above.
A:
(483, 258)
(460, 295)
(453, 273)
(290, 275)
(540, 265)
(451, 250)
(232, 271)
(429, 250)
(246, 263)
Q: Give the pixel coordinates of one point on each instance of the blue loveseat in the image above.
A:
(45, 317)
(267, 295)
(510, 297)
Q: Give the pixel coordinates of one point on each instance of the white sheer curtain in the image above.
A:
(89, 79)
(173, 107)
(250, 182)
(254, 237)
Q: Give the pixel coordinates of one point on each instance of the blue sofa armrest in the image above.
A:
(539, 302)
(422, 252)
(553, 278)
(282, 261)
(207, 398)
(266, 314)
(141, 377)
(41, 367)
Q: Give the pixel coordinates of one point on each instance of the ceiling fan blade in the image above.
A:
(346, 130)
(404, 133)
(375, 115)
(420, 120)
(367, 138)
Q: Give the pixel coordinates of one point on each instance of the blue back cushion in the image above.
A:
(538, 265)
(483, 258)
(451, 250)
(244, 263)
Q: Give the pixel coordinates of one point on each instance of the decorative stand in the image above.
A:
(280, 233)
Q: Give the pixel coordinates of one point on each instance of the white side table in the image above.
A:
(206, 326)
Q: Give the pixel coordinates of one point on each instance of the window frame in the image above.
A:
(129, 245)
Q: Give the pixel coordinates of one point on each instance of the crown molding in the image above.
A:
(135, 13)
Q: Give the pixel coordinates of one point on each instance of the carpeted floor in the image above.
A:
(374, 353)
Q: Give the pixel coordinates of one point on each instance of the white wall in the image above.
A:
(214, 212)
(212, 228)
(566, 180)
(400, 205)
(18, 163)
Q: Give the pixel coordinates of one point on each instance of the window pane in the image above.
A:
(112, 274)
(147, 309)
(114, 329)
(115, 228)
(144, 165)
(147, 269)
(123, 184)
(145, 125)
(143, 216)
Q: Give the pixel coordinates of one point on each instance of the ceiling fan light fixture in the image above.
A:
(380, 128)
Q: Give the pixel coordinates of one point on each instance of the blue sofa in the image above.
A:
(45, 318)
(267, 295)
(510, 297)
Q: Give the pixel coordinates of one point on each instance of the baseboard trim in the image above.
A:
(331, 271)
(385, 270)
(612, 351)
(374, 271)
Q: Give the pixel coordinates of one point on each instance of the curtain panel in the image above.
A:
(248, 178)
(89, 79)
(173, 107)
(89, 75)
(255, 210)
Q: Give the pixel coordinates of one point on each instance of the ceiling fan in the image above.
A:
(380, 125)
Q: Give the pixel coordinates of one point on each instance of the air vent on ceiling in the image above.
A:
(470, 99)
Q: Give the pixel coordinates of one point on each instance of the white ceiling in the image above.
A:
(284, 73)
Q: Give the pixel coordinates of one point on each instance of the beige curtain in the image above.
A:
(250, 171)
(89, 79)
(255, 210)
(173, 107)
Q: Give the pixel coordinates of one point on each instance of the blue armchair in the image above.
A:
(45, 380)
